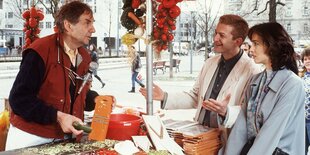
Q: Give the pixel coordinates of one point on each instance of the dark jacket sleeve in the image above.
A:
(23, 96)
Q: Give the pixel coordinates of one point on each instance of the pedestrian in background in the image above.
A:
(100, 51)
(95, 58)
(305, 75)
(136, 66)
(272, 119)
(246, 48)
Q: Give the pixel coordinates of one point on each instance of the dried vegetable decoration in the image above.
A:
(31, 28)
(164, 19)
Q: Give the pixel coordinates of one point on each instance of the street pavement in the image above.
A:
(115, 72)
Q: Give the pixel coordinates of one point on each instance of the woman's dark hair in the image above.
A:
(279, 44)
(71, 12)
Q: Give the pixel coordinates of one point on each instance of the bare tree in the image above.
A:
(18, 7)
(109, 7)
(272, 8)
(208, 23)
(52, 6)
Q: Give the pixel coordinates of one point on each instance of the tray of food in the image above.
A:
(68, 147)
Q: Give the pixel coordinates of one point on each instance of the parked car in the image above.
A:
(180, 49)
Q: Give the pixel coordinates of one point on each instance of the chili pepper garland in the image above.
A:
(166, 12)
(32, 18)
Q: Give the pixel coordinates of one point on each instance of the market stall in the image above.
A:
(136, 132)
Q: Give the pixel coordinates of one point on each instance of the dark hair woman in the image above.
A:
(272, 117)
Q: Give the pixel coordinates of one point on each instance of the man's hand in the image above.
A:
(65, 121)
(158, 93)
(216, 106)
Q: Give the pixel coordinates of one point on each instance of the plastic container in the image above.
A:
(123, 126)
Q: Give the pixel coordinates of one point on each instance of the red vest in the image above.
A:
(54, 90)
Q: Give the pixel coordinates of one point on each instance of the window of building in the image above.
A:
(47, 11)
(87, 1)
(306, 10)
(1, 4)
(48, 25)
(41, 25)
(47, 1)
(95, 9)
(185, 34)
(181, 25)
(288, 27)
(306, 29)
(185, 25)
(8, 26)
(288, 12)
(10, 14)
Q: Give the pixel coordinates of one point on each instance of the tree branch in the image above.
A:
(265, 8)
(280, 3)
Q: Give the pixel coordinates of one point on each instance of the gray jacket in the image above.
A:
(283, 115)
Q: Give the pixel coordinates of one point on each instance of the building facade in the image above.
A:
(11, 22)
(293, 16)
(191, 24)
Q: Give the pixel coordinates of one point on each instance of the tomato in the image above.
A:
(164, 46)
(135, 4)
(174, 11)
(26, 14)
(171, 22)
(28, 41)
(170, 37)
(169, 3)
(164, 37)
(165, 29)
(28, 33)
(37, 31)
(40, 15)
(104, 151)
(33, 22)
(172, 27)
(33, 12)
